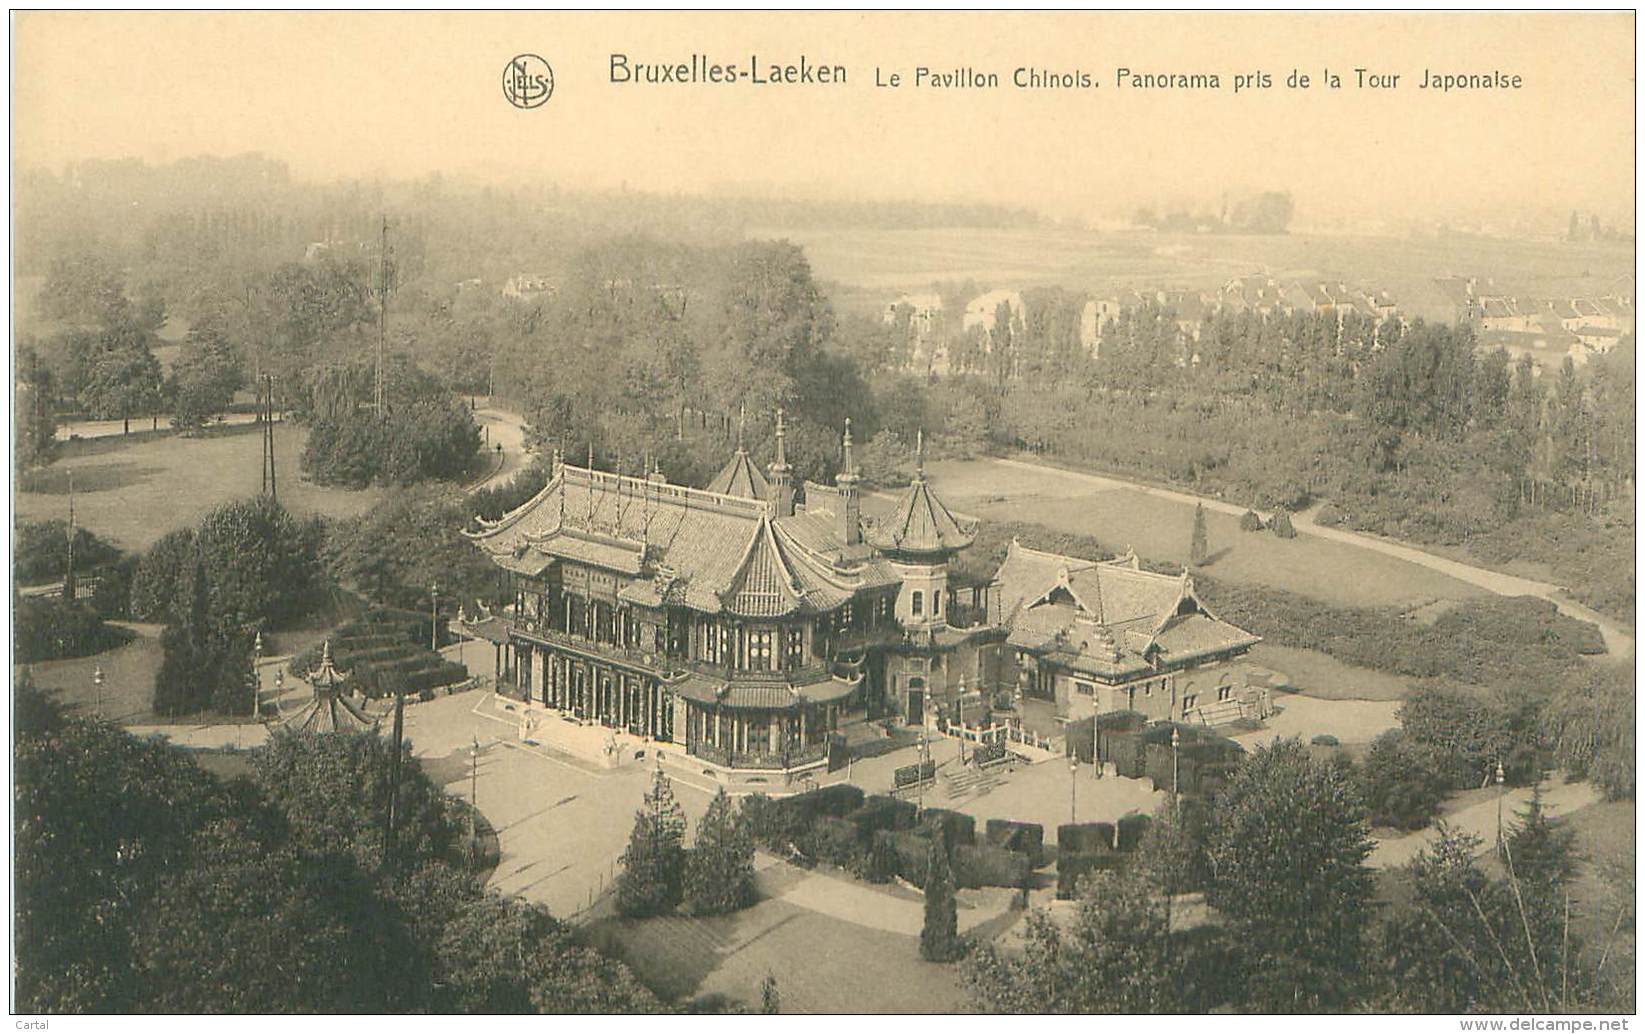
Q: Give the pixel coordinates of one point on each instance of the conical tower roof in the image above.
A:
(920, 523)
(740, 477)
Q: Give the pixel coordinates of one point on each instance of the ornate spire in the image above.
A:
(850, 506)
(742, 415)
(782, 483)
(848, 467)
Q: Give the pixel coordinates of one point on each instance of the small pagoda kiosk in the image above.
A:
(330, 710)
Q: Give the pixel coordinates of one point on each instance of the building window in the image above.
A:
(1188, 703)
(759, 650)
(793, 647)
(1223, 692)
(936, 604)
(1085, 689)
(919, 603)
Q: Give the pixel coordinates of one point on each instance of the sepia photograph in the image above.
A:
(682, 513)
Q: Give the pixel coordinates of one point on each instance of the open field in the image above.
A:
(1315, 674)
(873, 266)
(128, 678)
(133, 493)
(1159, 528)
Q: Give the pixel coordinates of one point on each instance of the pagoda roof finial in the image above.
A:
(781, 460)
(742, 417)
(919, 455)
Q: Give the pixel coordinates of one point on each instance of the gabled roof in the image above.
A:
(764, 585)
(1107, 618)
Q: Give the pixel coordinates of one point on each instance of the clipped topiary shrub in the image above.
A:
(1328, 516)
(835, 841)
(911, 849)
(1085, 838)
(1130, 831)
(879, 812)
(1249, 521)
(985, 865)
(1027, 838)
(1071, 867)
(1325, 739)
(1281, 525)
(958, 827)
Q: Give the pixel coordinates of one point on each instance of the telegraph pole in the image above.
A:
(394, 779)
(70, 589)
(382, 327)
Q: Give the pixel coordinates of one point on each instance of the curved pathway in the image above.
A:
(1619, 641)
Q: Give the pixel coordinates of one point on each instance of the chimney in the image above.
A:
(850, 508)
(782, 477)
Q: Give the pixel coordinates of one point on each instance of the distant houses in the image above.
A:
(1542, 327)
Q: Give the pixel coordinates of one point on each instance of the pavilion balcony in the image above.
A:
(796, 757)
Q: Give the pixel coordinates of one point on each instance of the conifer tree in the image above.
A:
(1199, 548)
(719, 872)
(654, 864)
(939, 937)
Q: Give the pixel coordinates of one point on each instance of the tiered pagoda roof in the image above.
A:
(329, 710)
(711, 551)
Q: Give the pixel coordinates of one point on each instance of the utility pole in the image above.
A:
(394, 779)
(70, 589)
(267, 416)
(382, 327)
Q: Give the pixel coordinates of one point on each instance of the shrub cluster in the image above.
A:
(382, 653)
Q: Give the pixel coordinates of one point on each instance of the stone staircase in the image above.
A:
(968, 782)
(1221, 713)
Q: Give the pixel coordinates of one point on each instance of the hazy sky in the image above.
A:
(345, 95)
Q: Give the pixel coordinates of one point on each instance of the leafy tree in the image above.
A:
(164, 576)
(123, 377)
(412, 539)
(1401, 784)
(1115, 957)
(1199, 548)
(1593, 729)
(205, 376)
(651, 881)
(40, 551)
(261, 563)
(47, 629)
(193, 647)
(1287, 844)
(939, 936)
(771, 1000)
(35, 423)
(719, 871)
(334, 790)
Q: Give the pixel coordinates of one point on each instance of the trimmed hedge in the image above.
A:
(1027, 838)
(1073, 866)
(985, 865)
(912, 851)
(1130, 831)
(958, 827)
(882, 813)
(1085, 838)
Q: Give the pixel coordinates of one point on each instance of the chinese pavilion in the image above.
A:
(735, 621)
(329, 710)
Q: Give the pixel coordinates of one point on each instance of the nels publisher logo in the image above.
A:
(528, 81)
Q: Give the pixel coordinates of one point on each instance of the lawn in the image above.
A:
(133, 492)
(1315, 674)
(1159, 529)
(821, 963)
(128, 678)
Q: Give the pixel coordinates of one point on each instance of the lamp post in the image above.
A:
(473, 786)
(279, 688)
(434, 617)
(1073, 788)
(256, 671)
(97, 681)
(1176, 744)
(1500, 779)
